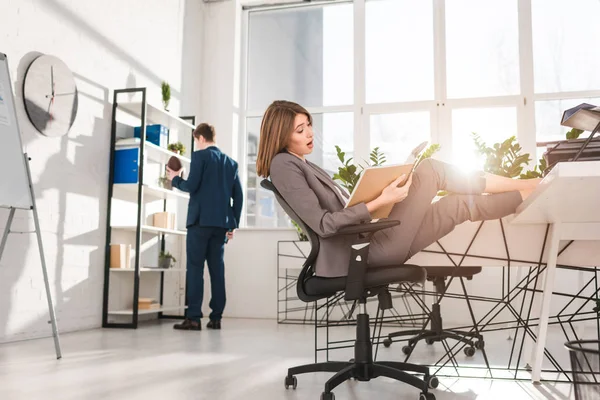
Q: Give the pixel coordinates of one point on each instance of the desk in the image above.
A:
(568, 199)
(567, 203)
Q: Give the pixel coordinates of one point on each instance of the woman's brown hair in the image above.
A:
(275, 130)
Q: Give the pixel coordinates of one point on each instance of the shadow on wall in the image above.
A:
(69, 179)
(76, 174)
(84, 28)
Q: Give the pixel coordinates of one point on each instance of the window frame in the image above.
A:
(440, 108)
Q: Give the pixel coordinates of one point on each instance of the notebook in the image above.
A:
(374, 179)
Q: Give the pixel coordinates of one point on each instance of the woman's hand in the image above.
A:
(391, 194)
(394, 194)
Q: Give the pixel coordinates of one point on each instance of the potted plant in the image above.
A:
(504, 159)
(165, 260)
(166, 94)
(177, 147)
(165, 183)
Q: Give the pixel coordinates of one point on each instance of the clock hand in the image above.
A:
(51, 117)
(63, 94)
(52, 79)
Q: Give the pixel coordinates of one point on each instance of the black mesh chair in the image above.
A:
(361, 283)
(436, 332)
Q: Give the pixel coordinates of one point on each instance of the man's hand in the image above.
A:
(172, 174)
(229, 236)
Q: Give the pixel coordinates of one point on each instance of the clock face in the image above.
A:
(50, 96)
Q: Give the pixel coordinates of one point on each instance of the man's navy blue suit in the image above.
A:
(213, 183)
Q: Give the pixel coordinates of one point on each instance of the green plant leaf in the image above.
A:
(574, 133)
(503, 158)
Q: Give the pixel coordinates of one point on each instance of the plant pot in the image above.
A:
(166, 184)
(164, 263)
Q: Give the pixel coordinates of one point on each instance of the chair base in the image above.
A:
(437, 333)
(362, 368)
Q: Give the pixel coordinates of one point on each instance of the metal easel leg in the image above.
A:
(43, 260)
(6, 231)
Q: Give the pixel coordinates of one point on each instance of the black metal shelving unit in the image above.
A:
(147, 114)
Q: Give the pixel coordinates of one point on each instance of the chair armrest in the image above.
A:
(355, 281)
(367, 227)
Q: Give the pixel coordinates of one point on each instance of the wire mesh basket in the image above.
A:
(585, 364)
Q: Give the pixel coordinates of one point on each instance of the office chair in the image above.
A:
(361, 283)
(437, 333)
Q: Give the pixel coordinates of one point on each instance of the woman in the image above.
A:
(286, 137)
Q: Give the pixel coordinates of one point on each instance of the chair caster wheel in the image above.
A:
(387, 342)
(480, 345)
(291, 381)
(469, 351)
(429, 341)
(407, 350)
(426, 396)
(433, 382)
(328, 396)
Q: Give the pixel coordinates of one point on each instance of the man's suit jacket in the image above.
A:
(314, 196)
(212, 183)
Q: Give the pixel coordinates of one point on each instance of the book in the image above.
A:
(584, 116)
(372, 182)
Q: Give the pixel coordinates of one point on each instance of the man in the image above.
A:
(212, 183)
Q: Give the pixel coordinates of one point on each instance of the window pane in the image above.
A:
(548, 115)
(301, 54)
(482, 48)
(397, 134)
(399, 50)
(493, 125)
(329, 130)
(565, 45)
(262, 210)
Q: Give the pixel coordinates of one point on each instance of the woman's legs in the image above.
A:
(393, 245)
(444, 215)
(501, 184)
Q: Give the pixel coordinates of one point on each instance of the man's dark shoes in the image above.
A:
(213, 324)
(188, 325)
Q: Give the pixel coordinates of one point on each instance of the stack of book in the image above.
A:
(585, 117)
(147, 304)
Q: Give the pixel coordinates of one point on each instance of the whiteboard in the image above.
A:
(14, 180)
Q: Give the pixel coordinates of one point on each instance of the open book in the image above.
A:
(584, 116)
(374, 179)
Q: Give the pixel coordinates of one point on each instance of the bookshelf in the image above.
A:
(131, 206)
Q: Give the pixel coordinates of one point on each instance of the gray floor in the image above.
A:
(246, 360)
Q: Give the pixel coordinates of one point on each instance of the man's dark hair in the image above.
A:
(206, 131)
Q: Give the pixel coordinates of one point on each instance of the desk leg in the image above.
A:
(546, 297)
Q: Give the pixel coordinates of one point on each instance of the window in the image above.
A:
(493, 125)
(548, 115)
(301, 54)
(429, 74)
(397, 134)
(565, 43)
(482, 48)
(330, 130)
(399, 50)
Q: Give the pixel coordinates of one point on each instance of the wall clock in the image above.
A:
(50, 96)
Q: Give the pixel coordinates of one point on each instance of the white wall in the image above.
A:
(251, 273)
(107, 44)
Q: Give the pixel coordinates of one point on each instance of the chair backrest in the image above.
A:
(308, 270)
